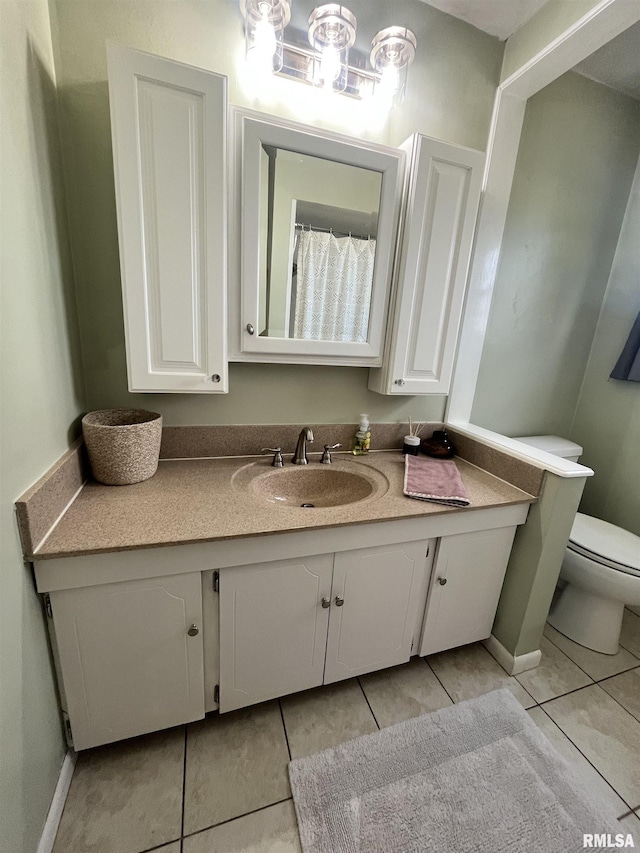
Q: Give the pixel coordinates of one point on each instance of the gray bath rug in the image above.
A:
(478, 776)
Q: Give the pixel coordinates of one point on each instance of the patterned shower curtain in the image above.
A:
(335, 275)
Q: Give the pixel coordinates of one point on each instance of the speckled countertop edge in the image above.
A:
(200, 500)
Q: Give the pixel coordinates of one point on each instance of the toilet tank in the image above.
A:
(553, 444)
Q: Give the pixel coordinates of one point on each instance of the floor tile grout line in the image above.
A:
(586, 758)
(366, 699)
(595, 680)
(237, 817)
(617, 700)
(284, 726)
(626, 814)
(439, 681)
(161, 845)
(595, 684)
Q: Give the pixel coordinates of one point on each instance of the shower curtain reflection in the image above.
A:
(334, 281)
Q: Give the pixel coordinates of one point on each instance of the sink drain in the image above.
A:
(308, 506)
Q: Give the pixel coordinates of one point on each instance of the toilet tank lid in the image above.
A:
(606, 540)
(553, 444)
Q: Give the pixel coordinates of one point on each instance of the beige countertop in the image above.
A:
(204, 500)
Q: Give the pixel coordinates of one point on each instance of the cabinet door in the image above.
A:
(128, 663)
(168, 124)
(439, 220)
(465, 588)
(273, 628)
(374, 627)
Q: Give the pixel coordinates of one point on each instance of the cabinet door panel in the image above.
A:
(168, 127)
(374, 627)
(443, 197)
(128, 664)
(462, 609)
(273, 629)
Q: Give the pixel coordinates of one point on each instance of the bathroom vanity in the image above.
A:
(250, 598)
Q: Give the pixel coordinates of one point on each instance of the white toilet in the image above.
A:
(601, 571)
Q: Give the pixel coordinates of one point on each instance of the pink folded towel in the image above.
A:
(436, 480)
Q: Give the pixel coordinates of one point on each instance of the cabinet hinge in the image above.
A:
(428, 550)
(216, 581)
(47, 605)
(67, 728)
(216, 694)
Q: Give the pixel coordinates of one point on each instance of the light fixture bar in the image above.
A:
(298, 64)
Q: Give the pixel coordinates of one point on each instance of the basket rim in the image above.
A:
(90, 419)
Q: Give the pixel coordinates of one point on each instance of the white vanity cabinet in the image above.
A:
(130, 656)
(273, 628)
(152, 638)
(168, 123)
(289, 625)
(465, 587)
(377, 602)
(441, 205)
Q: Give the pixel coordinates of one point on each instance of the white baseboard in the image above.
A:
(512, 664)
(52, 822)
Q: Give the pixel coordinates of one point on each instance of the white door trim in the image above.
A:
(601, 24)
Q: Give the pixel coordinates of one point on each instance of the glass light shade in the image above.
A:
(392, 52)
(332, 31)
(265, 21)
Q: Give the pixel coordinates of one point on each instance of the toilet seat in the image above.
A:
(606, 544)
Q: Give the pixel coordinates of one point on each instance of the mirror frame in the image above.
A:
(251, 130)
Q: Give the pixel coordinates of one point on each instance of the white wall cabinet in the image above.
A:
(465, 587)
(130, 656)
(441, 205)
(168, 123)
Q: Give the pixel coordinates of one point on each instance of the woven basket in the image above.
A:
(123, 444)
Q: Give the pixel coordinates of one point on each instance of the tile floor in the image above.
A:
(221, 785)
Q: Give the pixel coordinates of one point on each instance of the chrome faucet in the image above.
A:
(300, 456)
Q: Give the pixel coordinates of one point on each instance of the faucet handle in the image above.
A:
(277, 461)
(326, 456)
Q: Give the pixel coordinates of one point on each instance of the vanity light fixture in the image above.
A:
(331, 34)
(392, 52)
(265, 21)
(332, 31)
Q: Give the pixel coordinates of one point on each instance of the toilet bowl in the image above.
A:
(600, 572)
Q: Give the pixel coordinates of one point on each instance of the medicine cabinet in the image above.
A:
(314, 226)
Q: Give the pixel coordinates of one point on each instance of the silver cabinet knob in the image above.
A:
(216, 377)
(193, 630)
(399, 382)
(442, 581)
(339, 601)
(326, 602)
(250, 329)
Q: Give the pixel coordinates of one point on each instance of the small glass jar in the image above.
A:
(438, 445)
(411, 444)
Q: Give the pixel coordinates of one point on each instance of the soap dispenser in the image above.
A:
(362, 438)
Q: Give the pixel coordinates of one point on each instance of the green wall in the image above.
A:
(607, 418)
(450, 95)
(575, 166)
(42, 395)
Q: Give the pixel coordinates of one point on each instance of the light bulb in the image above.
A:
(389, 81)
(330, 66)
(264, 42)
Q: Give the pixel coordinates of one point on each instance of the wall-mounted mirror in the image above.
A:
(318, 217)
